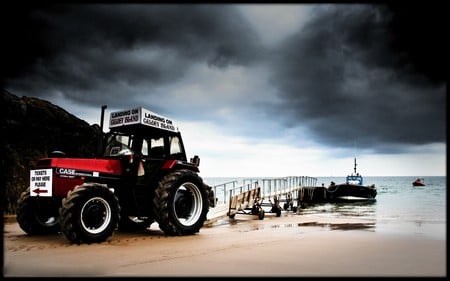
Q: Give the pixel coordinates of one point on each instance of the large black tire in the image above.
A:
(181, 203)
(37, 216)
(261, 214)
(89, 213)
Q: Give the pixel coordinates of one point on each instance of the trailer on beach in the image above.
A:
(247, 203)
(261, 196)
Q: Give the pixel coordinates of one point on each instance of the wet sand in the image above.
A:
(286, 246)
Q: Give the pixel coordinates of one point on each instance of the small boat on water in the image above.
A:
(352, 190)
(419, 182)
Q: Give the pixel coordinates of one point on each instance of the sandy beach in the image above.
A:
(287, 246)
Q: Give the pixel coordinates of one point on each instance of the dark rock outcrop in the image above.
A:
(32, 128)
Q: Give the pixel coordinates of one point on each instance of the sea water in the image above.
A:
(399, 208)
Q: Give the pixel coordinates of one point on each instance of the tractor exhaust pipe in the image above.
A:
(102, 117)
(100, 138)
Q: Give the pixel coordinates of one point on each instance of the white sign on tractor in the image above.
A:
(41, 182)
(142, 116)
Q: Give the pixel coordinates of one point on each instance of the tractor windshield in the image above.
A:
(118, 145)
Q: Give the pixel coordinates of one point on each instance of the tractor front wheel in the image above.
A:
(89, 213)
(37, 215)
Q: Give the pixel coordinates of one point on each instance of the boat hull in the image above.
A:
(351, 193)
(419, 182)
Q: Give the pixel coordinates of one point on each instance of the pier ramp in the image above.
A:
(260, 196)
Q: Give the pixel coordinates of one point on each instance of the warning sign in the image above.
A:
(41, 182)
(125, 117)
(141, 116)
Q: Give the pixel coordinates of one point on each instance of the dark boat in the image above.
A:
(352, 190)
(418, 182)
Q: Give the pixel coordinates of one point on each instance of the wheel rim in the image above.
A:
(95, 215)
(188, 204)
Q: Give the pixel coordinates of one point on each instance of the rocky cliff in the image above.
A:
(32, 128)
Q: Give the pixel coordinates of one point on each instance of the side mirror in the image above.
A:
(195, 160)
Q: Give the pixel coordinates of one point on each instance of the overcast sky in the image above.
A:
(256, 90)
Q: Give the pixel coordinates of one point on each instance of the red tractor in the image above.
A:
(141, 176)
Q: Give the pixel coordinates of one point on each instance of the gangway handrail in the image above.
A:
(216, 187)
(270, 186)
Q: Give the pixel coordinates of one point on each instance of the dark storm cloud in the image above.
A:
(370, 76)
(82, 50)
(350, 79)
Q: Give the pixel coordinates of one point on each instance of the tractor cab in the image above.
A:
(148, 139)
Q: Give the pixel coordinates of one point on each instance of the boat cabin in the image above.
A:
(354, 179)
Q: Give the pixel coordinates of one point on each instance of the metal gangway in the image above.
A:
(258, 196)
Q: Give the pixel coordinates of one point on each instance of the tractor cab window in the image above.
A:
(145, 146)
(157, 148)
(119, 145)
(175, 145)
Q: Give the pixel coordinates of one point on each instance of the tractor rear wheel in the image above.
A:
(181, 203)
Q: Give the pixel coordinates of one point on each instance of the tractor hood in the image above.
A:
(81, 166)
